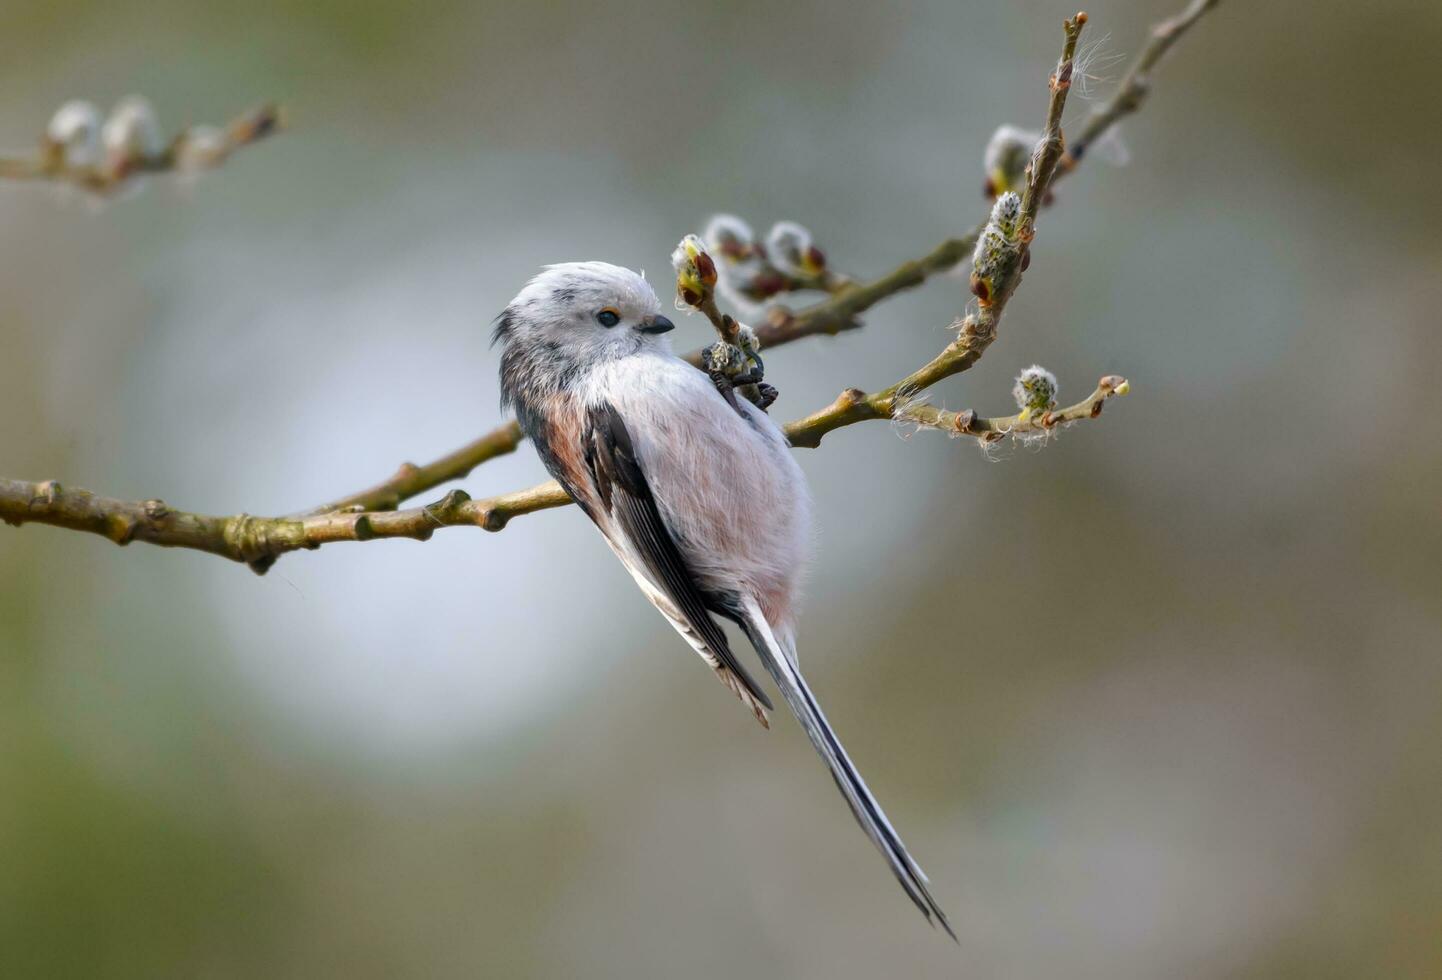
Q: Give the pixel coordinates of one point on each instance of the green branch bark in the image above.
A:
(257, 541)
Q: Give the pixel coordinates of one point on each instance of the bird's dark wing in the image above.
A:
(620, 481)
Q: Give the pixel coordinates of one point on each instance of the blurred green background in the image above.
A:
(1160, 700)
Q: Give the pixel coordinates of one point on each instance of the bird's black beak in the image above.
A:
(658, 324)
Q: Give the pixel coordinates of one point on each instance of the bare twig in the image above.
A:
(1137, 82)
(411, 480)
(839, 313)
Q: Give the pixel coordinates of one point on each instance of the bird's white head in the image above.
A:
(569, 319)
(587, 311)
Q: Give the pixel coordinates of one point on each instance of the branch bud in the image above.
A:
(792, 250)
(131, 135)
(72, 138)
(1035, 391)
(1007, 154)
(999, 251)
(729, 237)
(255, 124)
(695, 273)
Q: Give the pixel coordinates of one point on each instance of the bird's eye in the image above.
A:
(608, 317)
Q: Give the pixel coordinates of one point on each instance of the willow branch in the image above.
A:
(726, 326)
(410, 480)
(257, 541)
(243, 130)
(370, 514)
(840, 311)
(975, 332)
(988, 430)
(831, 316)
(1136, 84)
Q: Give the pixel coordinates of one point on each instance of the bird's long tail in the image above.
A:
(782, 666)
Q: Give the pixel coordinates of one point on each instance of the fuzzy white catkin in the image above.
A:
(683, 256)
(786, 243)
(1006, 214)
(132, 132)
(727, 234)
(1008, 140)
(75, 128)
(1036, 389)
(997, 245)
(1007, 155)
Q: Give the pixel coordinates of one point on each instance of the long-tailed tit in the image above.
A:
(701, 500)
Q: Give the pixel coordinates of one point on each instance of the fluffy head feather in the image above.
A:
(573, 316)
(567, 297)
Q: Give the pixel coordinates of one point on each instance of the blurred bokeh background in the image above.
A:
(1160, 700)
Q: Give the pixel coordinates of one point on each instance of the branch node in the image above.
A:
(121, 528)
(247, 538)
(453, 500)
(445, 511)
(364, 529)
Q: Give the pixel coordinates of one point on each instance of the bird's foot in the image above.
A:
(733, 369)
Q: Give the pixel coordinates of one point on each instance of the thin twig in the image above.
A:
(988, 430)
(1136, 83)
(975, 332)
(411, 480)
(243, 130)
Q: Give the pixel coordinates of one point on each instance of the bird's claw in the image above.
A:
(734, 369)
(766, 396)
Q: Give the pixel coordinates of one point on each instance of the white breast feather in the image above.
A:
(728, 488)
